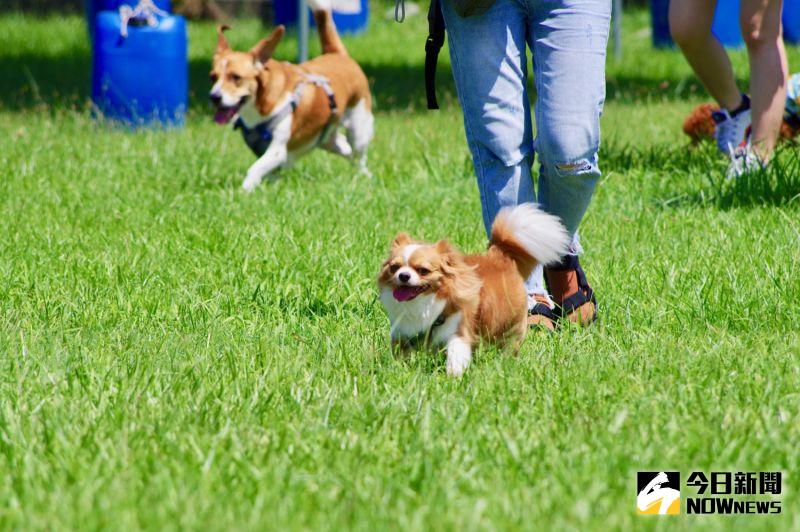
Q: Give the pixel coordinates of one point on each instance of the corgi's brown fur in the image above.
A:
(253, 85)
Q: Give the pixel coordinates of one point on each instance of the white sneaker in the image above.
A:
(732, 132)
(744, 161)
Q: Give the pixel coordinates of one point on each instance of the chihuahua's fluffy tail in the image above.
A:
(328, 36)
(529, 236)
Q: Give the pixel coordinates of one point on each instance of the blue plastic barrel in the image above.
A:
(141, 79)
(725, 26)
(659, 17)
(93, 7)
(285, 12)
(791, 21)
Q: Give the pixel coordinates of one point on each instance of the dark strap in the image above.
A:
(540, 309)
(584, 295)
(568, 262)
(792, 119)
(259, 137)
(324, 84)
(576, 300)
(329, 124)
(433, 45)
(424, 336)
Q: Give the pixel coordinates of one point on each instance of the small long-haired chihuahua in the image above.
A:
(435, 295)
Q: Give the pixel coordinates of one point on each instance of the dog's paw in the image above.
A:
(459, 353)
(250, 184)
(456, 366)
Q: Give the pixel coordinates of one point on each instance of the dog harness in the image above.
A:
(259, 137)
(423, 337)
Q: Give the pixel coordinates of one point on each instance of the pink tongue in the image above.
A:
(223, 116)
(404, 293)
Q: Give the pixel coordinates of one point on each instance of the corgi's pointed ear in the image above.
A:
(264, 49)
(222, 42)
(401, 239)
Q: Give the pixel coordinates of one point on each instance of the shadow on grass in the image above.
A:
(30, 80)
(624, 87)
(65, 81)
(778, 184)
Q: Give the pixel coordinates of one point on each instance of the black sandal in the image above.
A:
(542, 316)
(570, 307)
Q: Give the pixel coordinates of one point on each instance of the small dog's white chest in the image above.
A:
(410, 318)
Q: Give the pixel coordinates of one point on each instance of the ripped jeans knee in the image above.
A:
(566, 187)
(577, 167)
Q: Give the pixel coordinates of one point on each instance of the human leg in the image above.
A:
(690, 24)
(762, 32)
(569, 50)
(489, 67)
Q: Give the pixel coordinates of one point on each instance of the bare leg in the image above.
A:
(690, 24)
(763, 34)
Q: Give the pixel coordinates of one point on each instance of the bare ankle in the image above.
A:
(562, 283)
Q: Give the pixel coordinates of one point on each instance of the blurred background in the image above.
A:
(46, 53)
(193, 9)
(188, 8)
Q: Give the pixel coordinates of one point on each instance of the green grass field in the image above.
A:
(178, 355)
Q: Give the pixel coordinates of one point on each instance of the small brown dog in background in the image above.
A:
(700, 125)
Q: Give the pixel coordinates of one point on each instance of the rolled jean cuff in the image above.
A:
(575, 247)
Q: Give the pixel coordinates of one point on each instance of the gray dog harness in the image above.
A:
(259, 137)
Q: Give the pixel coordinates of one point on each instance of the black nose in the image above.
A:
(404, 277)
(216, 99)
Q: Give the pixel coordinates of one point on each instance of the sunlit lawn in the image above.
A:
(177, 354)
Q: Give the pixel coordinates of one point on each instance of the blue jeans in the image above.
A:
(568, 40)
